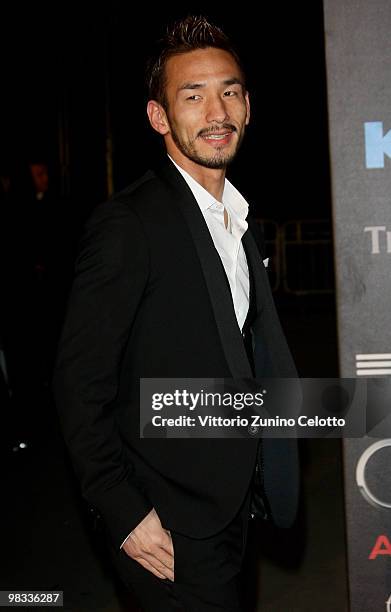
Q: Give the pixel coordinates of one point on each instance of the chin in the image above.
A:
(217, 162)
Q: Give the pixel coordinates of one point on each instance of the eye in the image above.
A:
(230, 93)
(193, 97)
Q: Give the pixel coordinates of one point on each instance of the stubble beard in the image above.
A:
(217, 160)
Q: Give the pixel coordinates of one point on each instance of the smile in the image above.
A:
(218, 138)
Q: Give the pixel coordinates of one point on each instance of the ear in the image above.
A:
(157, 117)
(247, 99)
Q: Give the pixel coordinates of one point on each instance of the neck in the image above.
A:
(211, 179)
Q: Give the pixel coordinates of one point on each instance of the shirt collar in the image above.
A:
(232, 198)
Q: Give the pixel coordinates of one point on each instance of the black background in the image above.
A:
(85, 58)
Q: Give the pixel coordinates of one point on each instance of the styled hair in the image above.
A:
(188, 34)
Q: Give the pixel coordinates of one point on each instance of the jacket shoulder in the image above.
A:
(139, 185)
(140, 192)
(258, 235)
(124, 204)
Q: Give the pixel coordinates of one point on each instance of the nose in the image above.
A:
(216, 110)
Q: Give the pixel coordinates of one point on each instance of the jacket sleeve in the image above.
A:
(111, 273)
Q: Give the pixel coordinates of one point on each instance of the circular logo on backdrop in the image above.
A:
(362, 477)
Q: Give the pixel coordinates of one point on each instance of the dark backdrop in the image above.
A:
(80, 64)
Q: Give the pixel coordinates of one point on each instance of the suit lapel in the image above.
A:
(272, 356)
(213, 271)
(254, 265)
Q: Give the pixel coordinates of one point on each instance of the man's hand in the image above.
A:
(151, 546)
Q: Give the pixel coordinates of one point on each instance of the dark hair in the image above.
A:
(188, 34)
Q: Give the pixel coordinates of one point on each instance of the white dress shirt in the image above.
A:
(227, 243)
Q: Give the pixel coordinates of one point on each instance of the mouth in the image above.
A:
(218, 139)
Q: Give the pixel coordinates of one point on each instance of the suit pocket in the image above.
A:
(174, 539)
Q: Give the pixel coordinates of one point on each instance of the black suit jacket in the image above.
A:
(150, 298)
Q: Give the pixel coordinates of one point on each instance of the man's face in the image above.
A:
(39, 174)
(208, 107)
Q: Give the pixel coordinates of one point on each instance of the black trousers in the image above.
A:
(206, 572)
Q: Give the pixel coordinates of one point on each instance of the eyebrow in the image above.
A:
(232, 81)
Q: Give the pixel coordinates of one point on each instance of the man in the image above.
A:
(40, 178)
(170, 283)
